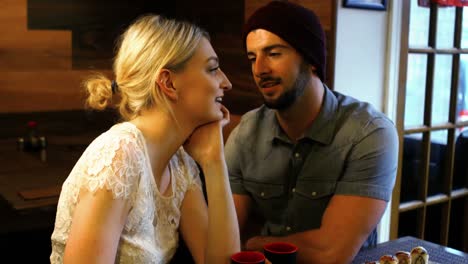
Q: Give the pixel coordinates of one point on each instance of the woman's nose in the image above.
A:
(226, 84)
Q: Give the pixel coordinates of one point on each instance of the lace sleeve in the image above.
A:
(193, 173)
(113, 162)
(194, 177)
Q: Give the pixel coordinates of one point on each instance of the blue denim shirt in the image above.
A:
(350, 149)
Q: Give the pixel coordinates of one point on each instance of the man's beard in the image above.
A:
(290, 96)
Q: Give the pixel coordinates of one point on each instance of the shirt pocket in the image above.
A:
(309, 202)
(268, 198)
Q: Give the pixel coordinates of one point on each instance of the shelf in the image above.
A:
(411, 205)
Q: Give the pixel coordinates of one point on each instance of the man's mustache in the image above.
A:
(268, 79)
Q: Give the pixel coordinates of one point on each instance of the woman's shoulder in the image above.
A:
(119, 146)
(118, 136)
(124, 130)
(185, 161)
(187, 169)
(114, 159)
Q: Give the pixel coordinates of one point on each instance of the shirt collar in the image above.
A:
(273, 128)
(321, 130)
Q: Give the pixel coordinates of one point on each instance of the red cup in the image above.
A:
(281, 252)
(248, 257)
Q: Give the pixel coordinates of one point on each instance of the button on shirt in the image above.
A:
(350, 149)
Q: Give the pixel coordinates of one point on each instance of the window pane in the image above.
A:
(437, 161)
(408, 223)
(458, 221)
(441, 96)
(415, 89)
(464, 40)
(445, 27)
(419, 25)
(460, 173)
(411, 170)
(462, 98)
(433, 223)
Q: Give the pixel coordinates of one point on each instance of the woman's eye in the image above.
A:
(214, 69)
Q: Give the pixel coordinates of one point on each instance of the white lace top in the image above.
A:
(118, 161)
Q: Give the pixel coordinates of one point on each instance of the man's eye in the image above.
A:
(251, 59)
(274, 54)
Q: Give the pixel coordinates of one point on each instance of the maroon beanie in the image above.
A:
(297, 25)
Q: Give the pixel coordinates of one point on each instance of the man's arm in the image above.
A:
(250, 224)
(358, 204)
(346, 223)
(243, 205)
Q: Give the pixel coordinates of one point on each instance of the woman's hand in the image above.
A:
(205, 144)
(218, 221)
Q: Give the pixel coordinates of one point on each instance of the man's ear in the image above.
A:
(313, 69)
(166, 84)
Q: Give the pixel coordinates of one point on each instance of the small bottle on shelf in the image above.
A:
(20, 144)
(43, 148)
(32, 140)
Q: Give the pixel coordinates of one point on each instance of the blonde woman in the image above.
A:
(137, 185)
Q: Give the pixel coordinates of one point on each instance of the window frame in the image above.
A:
(444, 199)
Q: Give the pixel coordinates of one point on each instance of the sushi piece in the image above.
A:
(404, 257)
(419, 255)
(388, 259)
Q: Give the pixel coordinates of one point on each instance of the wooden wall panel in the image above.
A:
(35, 65)
(48, 46)
(25, 50)
(43, 59)
(49, 90)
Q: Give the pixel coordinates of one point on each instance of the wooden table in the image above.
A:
(29, 188)
(26, 182)
(437, 253)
